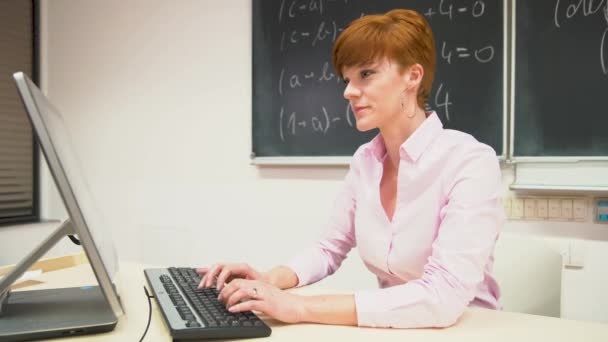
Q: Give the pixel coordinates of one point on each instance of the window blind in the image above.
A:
(17, 156)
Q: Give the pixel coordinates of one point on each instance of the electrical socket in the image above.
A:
(542, 208)
(517, 208)
(506, 203)
(555, 208)
(529, 208)
(579, 209)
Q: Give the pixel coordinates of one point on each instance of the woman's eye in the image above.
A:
(366, 73)
(345, 81)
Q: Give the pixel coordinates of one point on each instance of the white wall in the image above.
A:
(160, 95)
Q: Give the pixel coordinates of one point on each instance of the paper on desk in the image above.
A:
(29, 275)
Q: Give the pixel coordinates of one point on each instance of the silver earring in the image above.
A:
(413, 111)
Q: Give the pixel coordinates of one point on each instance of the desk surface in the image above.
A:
(474, 325)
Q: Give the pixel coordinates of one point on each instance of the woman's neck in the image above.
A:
(397, 132)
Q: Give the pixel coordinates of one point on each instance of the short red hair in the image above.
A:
(403, 36)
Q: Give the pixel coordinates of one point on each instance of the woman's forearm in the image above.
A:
(326, 309)
(330, 309)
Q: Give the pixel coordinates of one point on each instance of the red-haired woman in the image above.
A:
(422, 203)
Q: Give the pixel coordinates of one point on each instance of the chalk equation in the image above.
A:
(324, 31)
(565, 11)
(482, 54)
(447, 9)
(292, 124)
(294, 8)
(297, 80)
(568, 9)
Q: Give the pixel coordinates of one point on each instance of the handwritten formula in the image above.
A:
(300, 98)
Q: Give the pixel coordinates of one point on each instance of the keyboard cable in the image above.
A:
(149, 313)
(74, 239)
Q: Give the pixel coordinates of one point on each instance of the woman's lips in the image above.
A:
(359, 109)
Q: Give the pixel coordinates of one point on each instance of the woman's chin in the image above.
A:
(364, 126)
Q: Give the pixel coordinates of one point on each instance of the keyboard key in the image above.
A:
(192, 324)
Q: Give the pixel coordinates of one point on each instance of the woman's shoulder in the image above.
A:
(466, 158)
(368, 149)
(366, 155)
(457, 141)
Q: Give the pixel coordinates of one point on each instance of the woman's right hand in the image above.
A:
(225, 272)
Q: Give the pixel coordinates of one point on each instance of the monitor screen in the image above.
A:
(56, 142)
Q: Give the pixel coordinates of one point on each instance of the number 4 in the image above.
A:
(446, 101)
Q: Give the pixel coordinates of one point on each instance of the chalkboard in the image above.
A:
(298, 106)
(561, 78)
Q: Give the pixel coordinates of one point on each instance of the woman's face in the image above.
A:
(375, 92)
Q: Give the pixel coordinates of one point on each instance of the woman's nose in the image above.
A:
(350, 91)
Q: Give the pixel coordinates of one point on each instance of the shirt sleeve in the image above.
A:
(326, 256)
(470, 223)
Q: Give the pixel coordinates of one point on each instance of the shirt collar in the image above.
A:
(415, 145)
(422, 137)
(377, 148)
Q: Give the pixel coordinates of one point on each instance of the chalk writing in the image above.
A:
(298, 96)
(482, 55)
(567, 10)
(318, 123)
(447, 8)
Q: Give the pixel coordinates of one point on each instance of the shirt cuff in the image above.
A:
(308, 267)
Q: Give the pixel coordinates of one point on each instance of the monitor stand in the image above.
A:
(51, 313)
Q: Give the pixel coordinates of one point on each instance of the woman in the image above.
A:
(421, 202)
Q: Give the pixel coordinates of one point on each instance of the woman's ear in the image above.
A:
(414, 76)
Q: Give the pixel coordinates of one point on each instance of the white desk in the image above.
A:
(475, 325)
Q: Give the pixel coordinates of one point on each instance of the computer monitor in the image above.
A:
(85, 220)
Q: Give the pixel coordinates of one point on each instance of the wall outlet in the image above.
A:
(517, 208)
(530, 208)
(600, 212)
(542, 208)
(555, 209)
(550, 208)
(579, 209)
(567, 209)
(506, 203)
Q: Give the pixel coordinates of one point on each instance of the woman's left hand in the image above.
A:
(263, 297)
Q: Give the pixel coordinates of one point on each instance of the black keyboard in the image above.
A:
(192, 313)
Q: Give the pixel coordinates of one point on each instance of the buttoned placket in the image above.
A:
(403, 175)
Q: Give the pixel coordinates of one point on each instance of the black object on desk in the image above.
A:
(192, 314)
